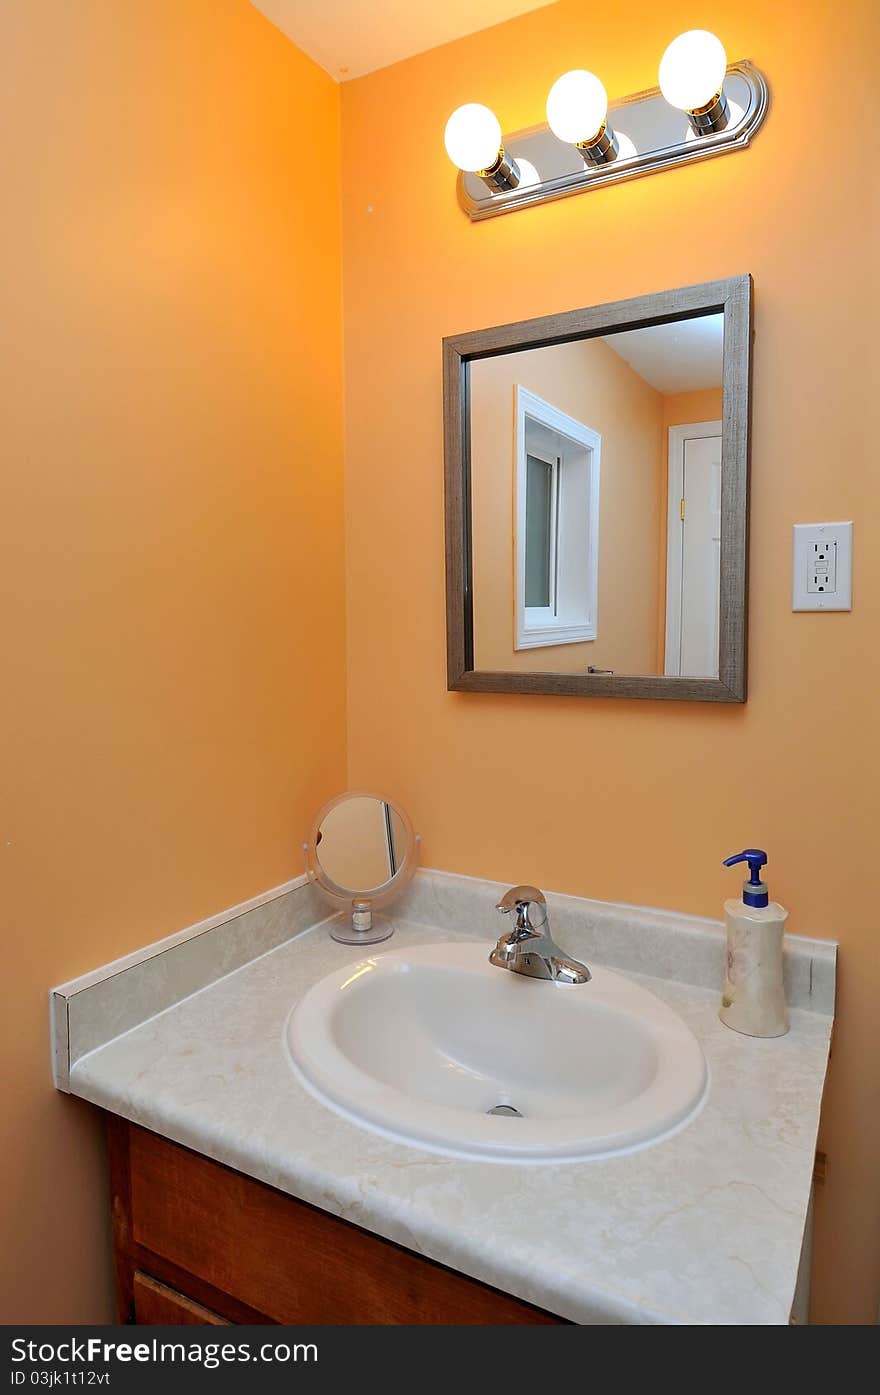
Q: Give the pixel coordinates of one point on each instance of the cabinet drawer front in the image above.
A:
(288, 1260)
(157, 1305)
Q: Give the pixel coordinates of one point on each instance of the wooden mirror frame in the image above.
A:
(733, 298)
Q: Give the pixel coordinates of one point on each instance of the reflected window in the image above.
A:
(557, 493)
(541, 482)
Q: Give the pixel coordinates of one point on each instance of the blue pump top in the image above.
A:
(755, 891)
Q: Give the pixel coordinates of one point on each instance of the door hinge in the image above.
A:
(681, 510)
(820, 1169)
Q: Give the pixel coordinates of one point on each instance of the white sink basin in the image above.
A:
(421, 1043)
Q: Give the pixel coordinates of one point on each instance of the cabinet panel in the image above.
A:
(280, 1257)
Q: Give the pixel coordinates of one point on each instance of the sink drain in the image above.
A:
(506, 1109)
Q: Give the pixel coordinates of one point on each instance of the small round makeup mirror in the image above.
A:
(362, 852)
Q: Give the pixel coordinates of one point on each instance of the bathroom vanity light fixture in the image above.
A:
(703, 107)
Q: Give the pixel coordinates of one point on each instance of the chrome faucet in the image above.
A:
(529, 948)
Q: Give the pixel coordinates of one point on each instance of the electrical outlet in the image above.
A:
(822, 566)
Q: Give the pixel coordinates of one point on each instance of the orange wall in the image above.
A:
(682, 408)
(625, 800)
(172, 623)
(593, 384)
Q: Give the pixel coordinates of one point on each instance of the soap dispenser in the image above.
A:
(753, 1000)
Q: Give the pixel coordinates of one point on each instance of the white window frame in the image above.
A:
(534, 626)
(677, 440)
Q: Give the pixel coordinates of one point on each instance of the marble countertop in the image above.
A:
(703, 1227)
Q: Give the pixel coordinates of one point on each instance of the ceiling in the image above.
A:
(681, 357)
(352, 37)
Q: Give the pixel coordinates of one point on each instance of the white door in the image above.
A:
(694, 550)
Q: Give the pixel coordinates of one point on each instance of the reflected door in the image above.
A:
(701, 557)
(694, 572)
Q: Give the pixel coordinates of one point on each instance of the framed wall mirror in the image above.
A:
(597, 499)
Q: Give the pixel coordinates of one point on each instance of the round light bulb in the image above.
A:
(473, 137)
(692, 70)
(577, 106)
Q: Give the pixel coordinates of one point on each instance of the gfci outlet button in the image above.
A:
(822, 566)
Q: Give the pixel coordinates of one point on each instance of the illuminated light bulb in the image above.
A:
(692, 76)
(473, 143)
(473, 138)
(577, 106)
(692, 69)
(577, 111)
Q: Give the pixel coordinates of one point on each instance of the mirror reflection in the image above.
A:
(596, 503)
(361, 843)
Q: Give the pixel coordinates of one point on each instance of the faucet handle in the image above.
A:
(521, 899)
(518, 897)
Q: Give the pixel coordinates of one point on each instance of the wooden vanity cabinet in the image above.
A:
(197, 1243)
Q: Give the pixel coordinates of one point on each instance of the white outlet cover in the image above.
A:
(805, 537)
